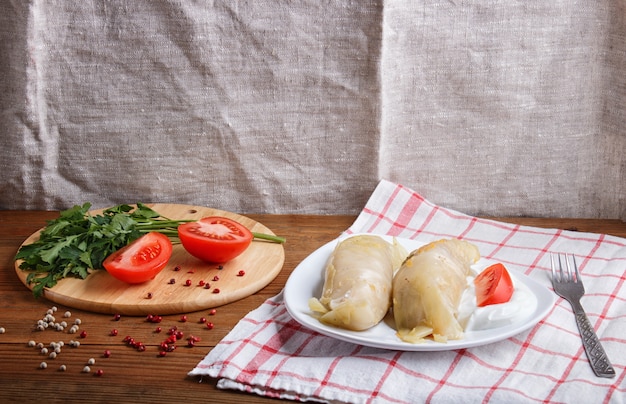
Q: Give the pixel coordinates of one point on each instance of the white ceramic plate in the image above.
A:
(307, 280)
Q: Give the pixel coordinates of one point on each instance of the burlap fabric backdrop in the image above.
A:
(489, 107)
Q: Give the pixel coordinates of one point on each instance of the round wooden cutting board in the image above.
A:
(100, 292)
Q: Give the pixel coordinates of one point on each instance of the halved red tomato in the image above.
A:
(141, 260)
(214, 239)
(493, 286)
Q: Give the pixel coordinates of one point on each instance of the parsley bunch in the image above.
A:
(76, 241)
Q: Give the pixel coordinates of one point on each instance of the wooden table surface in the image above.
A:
(133, 376)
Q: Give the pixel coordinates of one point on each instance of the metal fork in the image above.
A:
(568, 284)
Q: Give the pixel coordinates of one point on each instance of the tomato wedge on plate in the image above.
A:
(141, 260)
(214, 239)
(493, 286)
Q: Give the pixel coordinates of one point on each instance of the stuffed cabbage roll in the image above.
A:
(357, 282)
(427, 290)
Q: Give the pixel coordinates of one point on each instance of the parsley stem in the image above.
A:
(269, 237)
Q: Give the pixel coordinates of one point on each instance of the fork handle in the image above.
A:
(594, 350)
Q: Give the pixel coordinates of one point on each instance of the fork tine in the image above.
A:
(572, 274)
(553, 268)
(576, 268)
(568, 270)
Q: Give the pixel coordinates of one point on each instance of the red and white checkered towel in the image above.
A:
(270, 354)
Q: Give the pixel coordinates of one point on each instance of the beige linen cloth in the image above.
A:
(491, 107)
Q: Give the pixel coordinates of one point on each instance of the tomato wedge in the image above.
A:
(214, 239)
(141, 260)
(493, 286)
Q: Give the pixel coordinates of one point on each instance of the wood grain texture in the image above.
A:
(143, 377)
(101, 292)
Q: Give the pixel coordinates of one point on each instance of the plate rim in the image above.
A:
(293, 299)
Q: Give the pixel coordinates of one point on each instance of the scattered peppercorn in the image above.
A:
(216, 290)
(241, 273)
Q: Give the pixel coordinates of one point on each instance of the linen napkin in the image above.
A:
(270, 354)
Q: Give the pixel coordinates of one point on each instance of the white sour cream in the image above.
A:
(473, 318)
